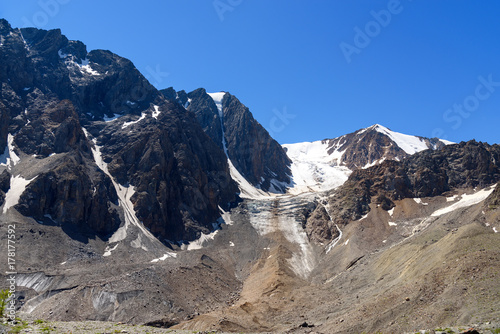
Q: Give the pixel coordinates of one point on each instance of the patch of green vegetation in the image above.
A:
(39, 321)
(46, 329)
(19, 325)
(4, 296)
(15, 330)
(496, 331)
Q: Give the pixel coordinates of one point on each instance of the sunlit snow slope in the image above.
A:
(314, 169)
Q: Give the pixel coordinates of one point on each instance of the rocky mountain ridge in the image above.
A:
(325, 165)
(425, 174)
(257, 156)
(53, 90)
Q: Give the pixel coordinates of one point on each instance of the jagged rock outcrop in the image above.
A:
(179, 174)
(53, 91)
(73, 194)
(52, 128)
(250, 147)
(254, 153)
(206, 113)
(319, 226)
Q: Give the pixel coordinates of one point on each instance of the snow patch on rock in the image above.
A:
(17, 186)
(465, 201)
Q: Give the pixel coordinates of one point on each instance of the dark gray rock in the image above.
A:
(255, 154)
(52, 88)
(179, 174)
(427, 173)
(4, 185)
(207, 114)
(71, 197)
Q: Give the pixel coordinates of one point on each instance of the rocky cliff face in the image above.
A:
(206, 113)
(493, 201)
(424, 174)
(254, 153)
(60, 104)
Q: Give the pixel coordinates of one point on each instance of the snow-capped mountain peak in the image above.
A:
(324, 165)
(409, 144)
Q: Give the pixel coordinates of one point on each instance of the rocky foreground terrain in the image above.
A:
(84, 327)
(138, 210)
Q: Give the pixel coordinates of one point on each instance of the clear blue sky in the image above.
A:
(303, 67)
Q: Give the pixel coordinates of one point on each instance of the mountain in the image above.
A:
(249, 147)
(324, 165)
(95, 144)
(179, 210)
(427, 173)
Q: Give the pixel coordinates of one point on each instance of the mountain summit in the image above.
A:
(324, 165)
(257, 157)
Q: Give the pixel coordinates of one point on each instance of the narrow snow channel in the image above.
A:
(9, 158)
(124, 193)
(247, 190)
(127, 124)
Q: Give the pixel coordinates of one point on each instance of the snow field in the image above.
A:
(465, 201)
(313, 169)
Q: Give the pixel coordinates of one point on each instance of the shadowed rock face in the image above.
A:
(206, 113)
(68, 196)
(493, 201)
(179, 174)
(250, 147)
(52, 89)
(254, 153)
